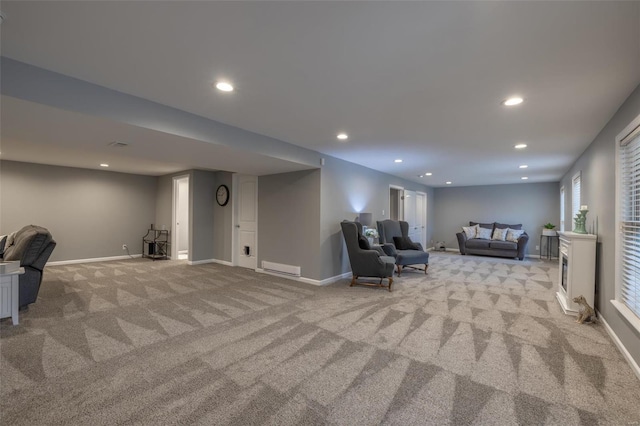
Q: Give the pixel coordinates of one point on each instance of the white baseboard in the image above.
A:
(311, 281)
(627, 356)
(91, 260)
(201, 262)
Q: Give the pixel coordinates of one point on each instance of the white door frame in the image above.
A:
(174, 216)
(424, 221)
(234, 219)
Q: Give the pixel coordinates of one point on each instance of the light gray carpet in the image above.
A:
(476, 341)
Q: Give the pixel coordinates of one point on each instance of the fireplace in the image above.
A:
(576, 270)
(565, 270)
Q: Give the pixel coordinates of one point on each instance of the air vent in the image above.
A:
(117, 144)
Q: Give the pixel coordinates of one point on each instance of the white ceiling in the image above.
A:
(421, 81)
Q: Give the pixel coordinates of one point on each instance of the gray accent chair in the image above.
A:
(32, 246)
(404, 257)
(366, 261)
(491, 247)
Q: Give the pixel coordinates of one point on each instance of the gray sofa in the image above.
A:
(32, 246)
(492, 247)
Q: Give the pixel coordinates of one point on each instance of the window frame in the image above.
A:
(562, 208)
(629, 133)
(575, 206)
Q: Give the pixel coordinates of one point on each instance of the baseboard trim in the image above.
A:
(625, 353)
(91, 260)
(311, 281)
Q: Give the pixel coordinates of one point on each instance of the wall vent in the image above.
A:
(279, 268)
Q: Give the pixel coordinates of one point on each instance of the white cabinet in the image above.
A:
(577, 262)
(9, 295)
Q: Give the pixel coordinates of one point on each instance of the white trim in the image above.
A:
(91, 260)
(174, 201)
(627, 356)
(200, 262)
(629, 132)
(311, 281)
(627, 313)
(222, 262)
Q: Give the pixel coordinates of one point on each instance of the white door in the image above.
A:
(180, 233)
(421, 218)
(246, 221)
(410, 215)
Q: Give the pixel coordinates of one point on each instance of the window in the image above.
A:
(628, 220)
(575, 195)
(562, 208)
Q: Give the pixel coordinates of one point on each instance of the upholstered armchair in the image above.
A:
(394, 237)
(32, 246)
(366, 261)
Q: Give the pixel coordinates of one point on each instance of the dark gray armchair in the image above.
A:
(394, 237)
(365, 260)
(32, 246)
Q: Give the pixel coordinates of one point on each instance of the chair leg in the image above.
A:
(353, 281)
(390, 283)
(399, 269)
(426, 266)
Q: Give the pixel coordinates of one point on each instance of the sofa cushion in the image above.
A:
(505, 226)
(503, 245)
(470, 231)
(412, 257)
(28, 244)
(477, 244)
(483, 233)
(499, 234)
(513, 234)
(405, 243)
(482, 225)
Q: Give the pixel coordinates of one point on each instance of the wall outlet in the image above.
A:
(538, 248)
(124, 247)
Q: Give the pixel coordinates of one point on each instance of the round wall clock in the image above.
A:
(222, 195)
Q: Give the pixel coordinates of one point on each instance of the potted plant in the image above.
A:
(371, 233)
(548, 230)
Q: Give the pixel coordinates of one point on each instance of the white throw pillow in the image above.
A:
(483, 233)
(499, 234)
(513, 234)
(470, 231)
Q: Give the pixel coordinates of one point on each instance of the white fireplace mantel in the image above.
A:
(577, 262)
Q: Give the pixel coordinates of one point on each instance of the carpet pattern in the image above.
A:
(475, 341)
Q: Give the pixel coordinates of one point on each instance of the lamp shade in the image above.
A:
(366, 219)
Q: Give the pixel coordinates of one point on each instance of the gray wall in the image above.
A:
(203, 190)
(597, 165)
(348, 189)
(90, 213)
(223, 221)
(531, 204)
(289, 220)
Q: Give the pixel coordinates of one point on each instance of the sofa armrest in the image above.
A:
(522, 245)
(389, 249)
(462, 242)
(378, 248)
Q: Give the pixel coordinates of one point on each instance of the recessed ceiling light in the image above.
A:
(342, 136)
(397, 160)
(224, 86)
(520, 146)
(524, 178)
(516, 100)
(523, 166)
(420, 176)
(104, 165)
(448, 182)
(428, 174)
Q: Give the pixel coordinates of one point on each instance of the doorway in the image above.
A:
(396, 203)
(180, 234)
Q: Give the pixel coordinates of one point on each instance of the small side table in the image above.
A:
(549, 246)
(9, 295)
